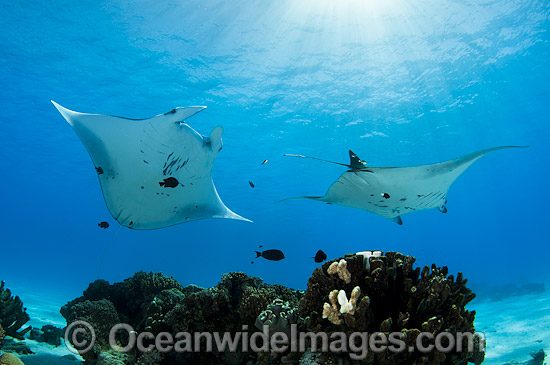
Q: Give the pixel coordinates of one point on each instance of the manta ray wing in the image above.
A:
(155, 172)
(393, 191)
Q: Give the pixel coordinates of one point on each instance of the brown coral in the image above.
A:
(397, 297)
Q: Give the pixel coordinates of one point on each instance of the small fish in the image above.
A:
(99, 170)
(103, 225)
(251, 184)
(170, 182)
(263, 162)
(273, 255)
(386, 195)
(196, 206)
(320, 256)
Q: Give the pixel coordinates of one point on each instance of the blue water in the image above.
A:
(399, 83)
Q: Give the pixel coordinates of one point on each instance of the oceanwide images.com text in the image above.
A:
(80, 337)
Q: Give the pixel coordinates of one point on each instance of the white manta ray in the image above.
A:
(393, 191)
(155, 172)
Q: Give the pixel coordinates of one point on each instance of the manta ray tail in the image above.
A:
(355, 162)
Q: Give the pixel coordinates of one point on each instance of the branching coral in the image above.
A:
(400, 298)
(340, 268)
(12, 314)
(331, 312)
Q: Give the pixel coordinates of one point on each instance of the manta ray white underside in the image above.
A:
(153, 172)
(393, 191)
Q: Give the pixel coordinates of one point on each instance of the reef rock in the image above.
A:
(10, 359)
(48, 334)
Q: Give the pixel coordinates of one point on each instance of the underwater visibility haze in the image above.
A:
(398, 83)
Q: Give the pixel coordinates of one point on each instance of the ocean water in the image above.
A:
(399, 83)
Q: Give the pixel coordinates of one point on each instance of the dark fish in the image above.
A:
(99, 170)
(273, 255)
(103, 225)
(320, 256)
(263, 162)
(386, 195)
(251, 184)
(170, 182)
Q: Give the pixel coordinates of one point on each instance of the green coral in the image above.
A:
(12, 314)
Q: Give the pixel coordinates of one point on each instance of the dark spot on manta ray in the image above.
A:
(169, 182)
(403, 199)
(131, 222)
(146, 162)
(420, 195)
(372, 195)
(385, 195)
(99, 170)
(142, 187)
(173, 111)
(251, 184)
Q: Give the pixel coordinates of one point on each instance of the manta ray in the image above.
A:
(393, 191)
(154, 172)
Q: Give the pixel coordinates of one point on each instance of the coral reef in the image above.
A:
(16, 346)
(155, 303)
(48, 334)
(278, 316)
(12, 314)
(537, 359)
(396, 297)
(386, 294)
